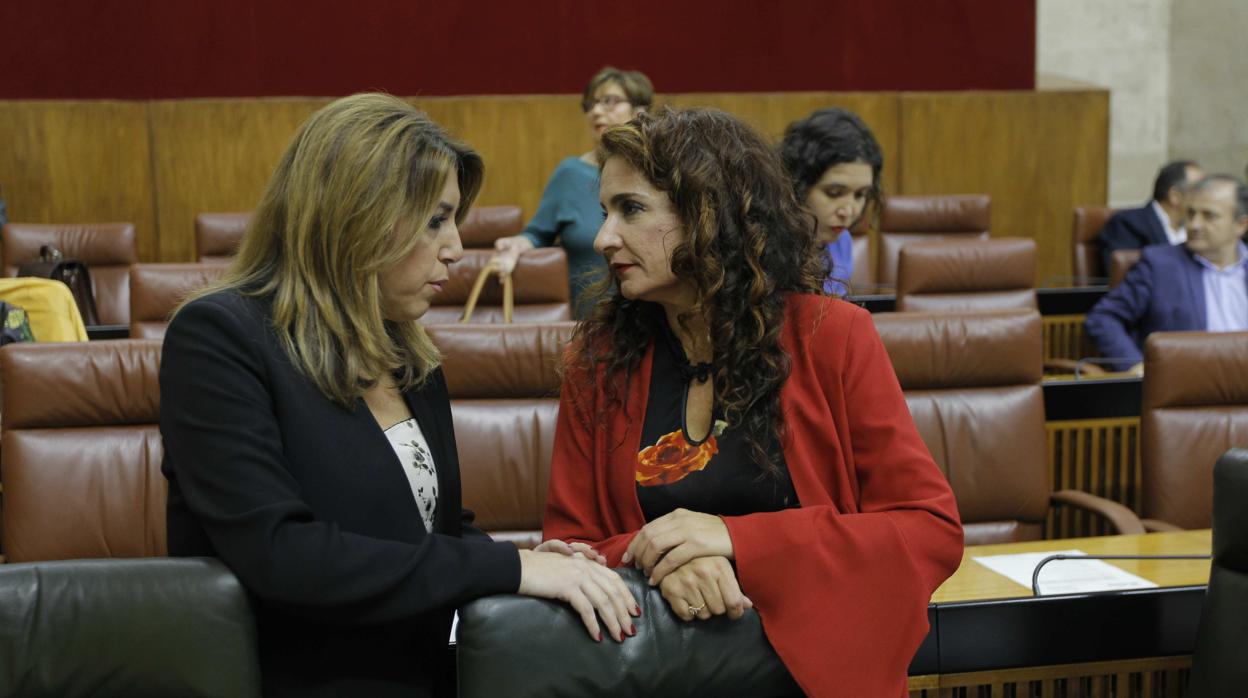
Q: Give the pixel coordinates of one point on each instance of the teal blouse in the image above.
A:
(570, 211)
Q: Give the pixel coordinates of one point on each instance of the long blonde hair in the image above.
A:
(358, 182)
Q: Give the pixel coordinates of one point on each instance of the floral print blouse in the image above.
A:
(413, 451)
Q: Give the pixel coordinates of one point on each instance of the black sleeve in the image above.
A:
(468, 530)
(1117, 235)
(218, 422)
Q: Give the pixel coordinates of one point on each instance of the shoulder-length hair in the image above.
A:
(356, 185)
(745, 243)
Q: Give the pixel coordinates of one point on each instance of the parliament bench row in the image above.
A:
(80, 450)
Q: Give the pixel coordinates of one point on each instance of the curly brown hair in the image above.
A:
(745, 243)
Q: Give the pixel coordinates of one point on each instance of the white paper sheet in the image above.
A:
(1064, 576)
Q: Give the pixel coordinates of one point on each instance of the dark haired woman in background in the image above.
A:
(307, 430)
(735, 433)
(569, 211)
(835, 163)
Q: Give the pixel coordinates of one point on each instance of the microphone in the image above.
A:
(1035, 574)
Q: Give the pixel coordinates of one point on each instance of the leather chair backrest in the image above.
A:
(217, 235)
(668, 657)
(1218, 667)
(1120, 263)
(504, 386)
(972, 382)
(907, 219)
(122, 628)
(967, 275)
(80, 450)
(107, 248)
(156, 290)
(1195, 408)
(485, 224)
(539, 284)
(1085, 251)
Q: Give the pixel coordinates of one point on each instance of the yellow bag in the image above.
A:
(49, 305)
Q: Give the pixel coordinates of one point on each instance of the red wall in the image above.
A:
(142, 49)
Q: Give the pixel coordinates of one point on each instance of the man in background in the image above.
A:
(1160, 221)
(1200, 284)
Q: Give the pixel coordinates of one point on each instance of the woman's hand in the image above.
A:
(507, 252)
(674, 539)
(554, 545)
(705, 587)
(588, 586)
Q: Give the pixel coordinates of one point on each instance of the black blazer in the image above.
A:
(1131, 229)
(308, 504)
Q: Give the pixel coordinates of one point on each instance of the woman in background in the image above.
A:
(835, 163)
(569, 210)
(307, 429)
(736, 433)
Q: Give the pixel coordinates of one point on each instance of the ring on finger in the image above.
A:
(695, 610)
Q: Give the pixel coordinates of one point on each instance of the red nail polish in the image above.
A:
(637, 611)
(632, 630)
(598, 638)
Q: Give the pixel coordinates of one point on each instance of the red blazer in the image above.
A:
(842, 583)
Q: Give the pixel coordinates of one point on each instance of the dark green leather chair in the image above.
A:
(1220, 667)
(133, 628)
(523, 647)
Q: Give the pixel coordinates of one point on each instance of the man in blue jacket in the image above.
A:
(1200, 284)
(1159, 222)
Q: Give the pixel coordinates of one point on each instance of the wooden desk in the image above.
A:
(974, 582)
(991, 637)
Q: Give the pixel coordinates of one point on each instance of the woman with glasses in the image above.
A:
(569, 209)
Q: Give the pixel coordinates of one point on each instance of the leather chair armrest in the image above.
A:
(1157, 526)
(1124, 521)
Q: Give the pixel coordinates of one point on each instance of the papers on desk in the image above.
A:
(1064, 576)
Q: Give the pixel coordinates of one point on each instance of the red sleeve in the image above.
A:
(842, 587)
(578, 503)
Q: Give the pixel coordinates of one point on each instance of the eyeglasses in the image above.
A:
(607, 101)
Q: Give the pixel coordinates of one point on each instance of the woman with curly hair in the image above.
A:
(835, 163)
(734, 432)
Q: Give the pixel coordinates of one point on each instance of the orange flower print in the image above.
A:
(672, 457)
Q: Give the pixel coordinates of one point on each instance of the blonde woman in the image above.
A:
(307, 431)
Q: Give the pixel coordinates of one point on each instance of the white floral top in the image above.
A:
(413, 451)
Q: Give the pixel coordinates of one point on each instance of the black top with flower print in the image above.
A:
(714, 476)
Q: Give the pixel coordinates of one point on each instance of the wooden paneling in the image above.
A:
(215, 155)
(1150, 677)
(1039, 154)
(78, 162)
(522, 139)
(160, 163)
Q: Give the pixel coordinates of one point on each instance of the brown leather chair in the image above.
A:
(967, 275)
(156, 290)
(217, 235)
(1120, 263)
(1086, 260)
(80, 451)
(972, 383)
(1195, 408)
(539, 283)
(504, 388)
(107, 248)
(485, 224)
(907, 219)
